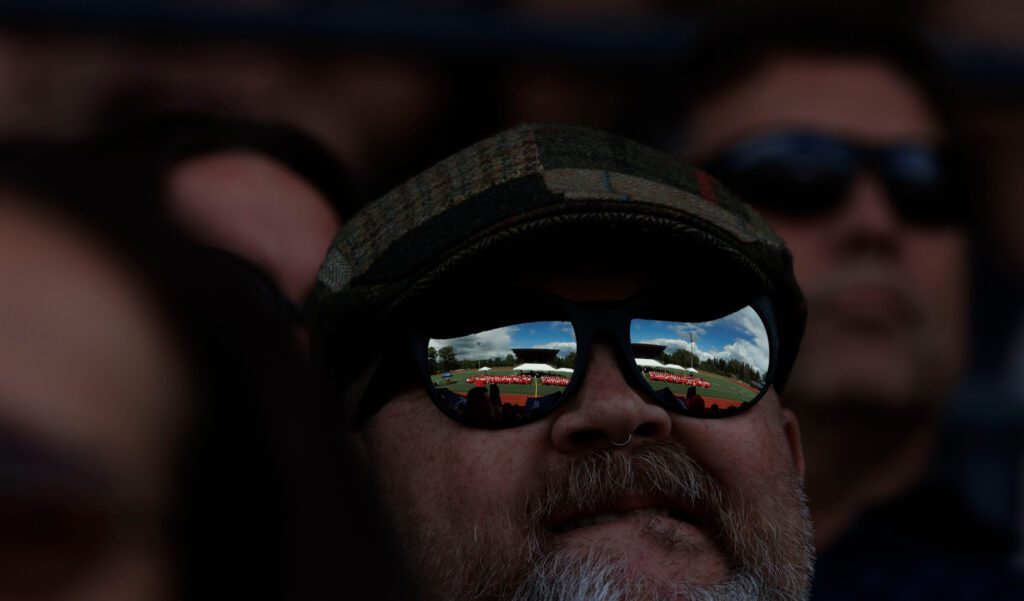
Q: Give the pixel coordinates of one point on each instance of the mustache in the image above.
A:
(659, 469)
(769, 546)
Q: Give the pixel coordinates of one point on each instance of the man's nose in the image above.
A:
(606, 409)
(868, 222)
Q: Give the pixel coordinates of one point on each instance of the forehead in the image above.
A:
(862, 98)
(599, 267)
(581, 271)
(586, 284)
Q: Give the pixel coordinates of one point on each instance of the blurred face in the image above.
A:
(886, 298)
(253, 206)
(90, 389)
(552, 510)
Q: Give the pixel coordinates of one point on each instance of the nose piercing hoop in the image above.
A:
(620, 444)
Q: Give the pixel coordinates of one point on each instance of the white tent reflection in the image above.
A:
(533, 367)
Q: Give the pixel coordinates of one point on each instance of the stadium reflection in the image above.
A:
(511, 374)
(707, 366)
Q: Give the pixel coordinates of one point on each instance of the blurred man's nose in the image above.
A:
(868, 222)
(605, 409)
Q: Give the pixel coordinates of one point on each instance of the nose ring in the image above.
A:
(620, 444)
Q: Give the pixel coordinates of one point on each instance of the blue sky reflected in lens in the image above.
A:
(741, 336)
(499, 342)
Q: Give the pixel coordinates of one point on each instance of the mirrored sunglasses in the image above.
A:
(514, 366)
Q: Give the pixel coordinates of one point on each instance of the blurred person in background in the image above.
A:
(69, 75)
(837, 128)
(161, 435)
(269, 194)
(94, 389)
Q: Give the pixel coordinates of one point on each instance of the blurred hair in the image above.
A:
(732, 46)
(141, 154)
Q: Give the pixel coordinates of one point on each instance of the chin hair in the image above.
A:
(594, 576)
(767, 545)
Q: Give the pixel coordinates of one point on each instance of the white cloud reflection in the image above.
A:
(482, 345)
(749, 339)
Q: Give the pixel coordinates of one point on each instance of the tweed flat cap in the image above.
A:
(527, 187)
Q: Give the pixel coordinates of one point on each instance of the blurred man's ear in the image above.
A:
(791, 427)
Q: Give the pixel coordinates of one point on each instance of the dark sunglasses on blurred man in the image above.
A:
(808, 175)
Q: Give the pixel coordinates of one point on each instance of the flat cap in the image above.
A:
(531, 187)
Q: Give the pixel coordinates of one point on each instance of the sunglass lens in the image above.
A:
(799, 175)
(708, 367)
(921, 184)
(802, 195)
(504, 376)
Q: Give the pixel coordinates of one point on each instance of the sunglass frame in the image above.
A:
(612, 318)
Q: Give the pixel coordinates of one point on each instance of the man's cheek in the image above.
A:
(742, 452)
(939, 266)
(809, 246)
(408, 460)
(489, 471)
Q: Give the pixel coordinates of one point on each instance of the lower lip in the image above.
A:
(637, 521)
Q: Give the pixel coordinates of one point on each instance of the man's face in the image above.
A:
(886, 298)
(92, 390)
(690, 507)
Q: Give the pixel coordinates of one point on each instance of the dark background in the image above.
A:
(392, 86)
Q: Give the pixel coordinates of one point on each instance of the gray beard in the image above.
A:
(768, 547)
(565, 577)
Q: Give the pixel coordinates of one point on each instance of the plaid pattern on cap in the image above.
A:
(536, 180)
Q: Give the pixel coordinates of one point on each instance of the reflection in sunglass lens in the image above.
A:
(503, 376)
(704, 367)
